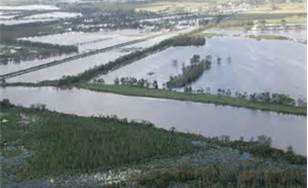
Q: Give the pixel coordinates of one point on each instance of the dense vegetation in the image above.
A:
(131, 81)
(190, 73)
(186, 40)
(12, 32)
(68, 144)
(247, 175)
(274, 98)
(260, 147)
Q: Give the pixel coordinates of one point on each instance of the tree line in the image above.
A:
(264, 97)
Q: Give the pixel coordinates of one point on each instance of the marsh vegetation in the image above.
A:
(48, 138)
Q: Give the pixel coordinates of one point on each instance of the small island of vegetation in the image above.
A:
(190, 73)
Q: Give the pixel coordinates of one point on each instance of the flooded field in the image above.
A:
(44, 17)
(16, 66)
(255, 66)
(68, 69)
(90, 41)
(28, 7)
(163, 36)
(14, 15)
(298, 35)
(191, 117)
(150, 42)
(86, 42)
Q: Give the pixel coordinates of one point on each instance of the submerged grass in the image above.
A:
(204, 98)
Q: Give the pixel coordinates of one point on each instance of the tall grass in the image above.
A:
(245, 175)
(68, 144)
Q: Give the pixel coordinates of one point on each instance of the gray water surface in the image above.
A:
(276, 66)
(205, 119)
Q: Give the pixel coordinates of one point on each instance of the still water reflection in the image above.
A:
(256, 66)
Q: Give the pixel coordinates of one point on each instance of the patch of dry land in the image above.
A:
(280, 8)
(174, 6)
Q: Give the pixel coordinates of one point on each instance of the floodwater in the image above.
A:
(86, 42)
(92, 40)
(277, 66)
(35, 7)
(17, 66)
(44, 17)
(205, 119)
(293, 34)
(71, 68)
(8, 14)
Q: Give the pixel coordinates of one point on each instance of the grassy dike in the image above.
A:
(203, 98)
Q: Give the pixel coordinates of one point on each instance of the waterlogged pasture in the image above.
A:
(68, 69)
(163, 35)
(153, 41)
(7, 15)
(298, 35)
(42, 17)
(90, 41)
(87, 40)
(34, 7)
(54, 15)
(13, 66)
(277, 66)
(205, 119)
(14, 15)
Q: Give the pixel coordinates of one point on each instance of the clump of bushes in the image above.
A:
(187, 40)
(190, 73)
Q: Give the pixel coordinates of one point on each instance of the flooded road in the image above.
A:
(70, 68)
